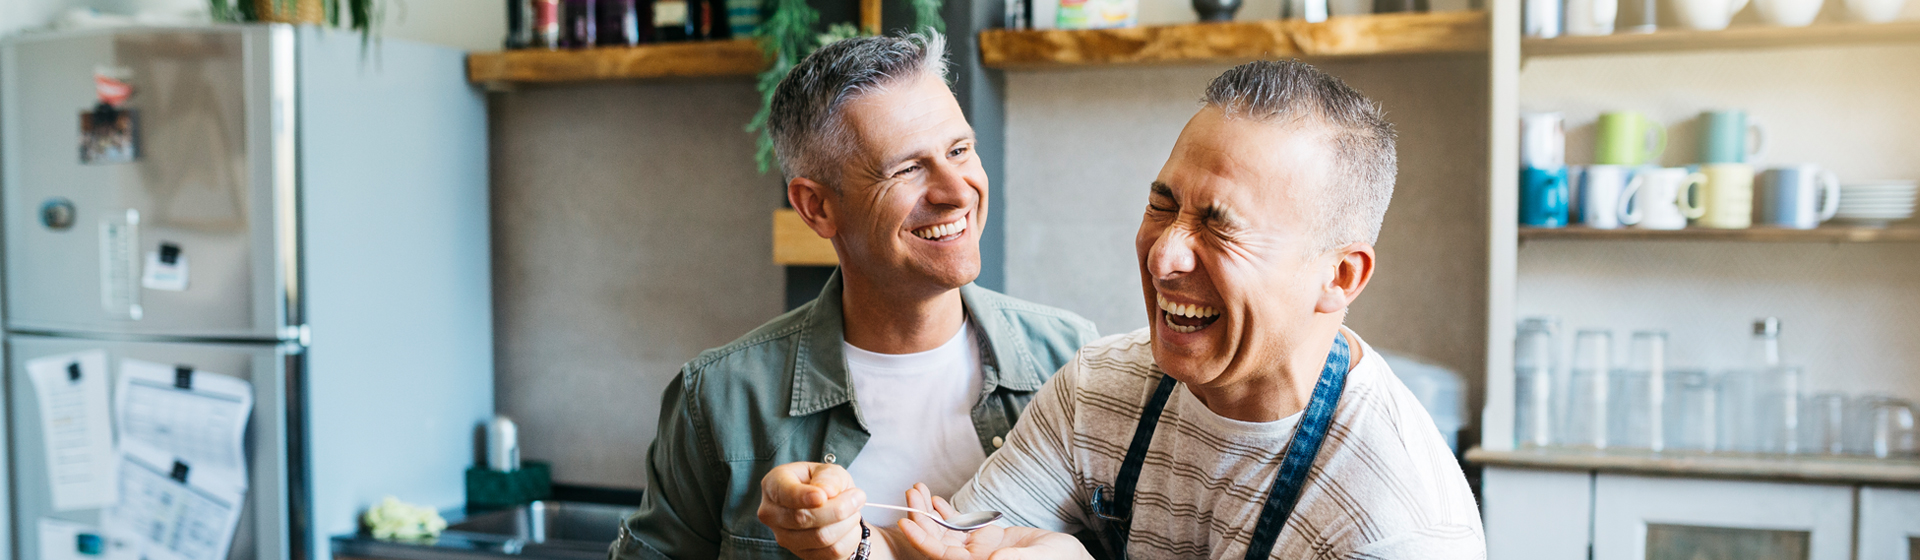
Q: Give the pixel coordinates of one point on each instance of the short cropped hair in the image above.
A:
(810, 137)
(1353, 201)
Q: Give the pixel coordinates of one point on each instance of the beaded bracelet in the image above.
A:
(865, 545)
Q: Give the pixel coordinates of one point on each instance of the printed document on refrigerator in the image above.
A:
(183, 474)
(74, 420)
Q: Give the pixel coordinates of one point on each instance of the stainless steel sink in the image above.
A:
(553, 523)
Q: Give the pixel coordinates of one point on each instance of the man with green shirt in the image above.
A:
(902, 370)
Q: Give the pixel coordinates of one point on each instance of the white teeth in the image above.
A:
(942, 230)
(1185, 310)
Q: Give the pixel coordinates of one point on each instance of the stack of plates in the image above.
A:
(1876, 203)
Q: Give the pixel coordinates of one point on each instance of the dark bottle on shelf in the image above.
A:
(546, 24)
(673, 21)
(519, 24)
(580, 19)
(620, 22)
(715, 25)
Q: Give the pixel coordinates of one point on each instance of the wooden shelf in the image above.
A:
(795, 244)
(1832, 234)
(1228, 42)
(1801, 468)
(1738, 37)
(738, 57)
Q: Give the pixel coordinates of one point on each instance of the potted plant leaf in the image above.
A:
(360, 15)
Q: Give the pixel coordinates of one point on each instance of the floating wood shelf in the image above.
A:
(1738, 37)
(1350, 36)
(1802, 468)
(795, 244)
(1832, 234)
(738, 57)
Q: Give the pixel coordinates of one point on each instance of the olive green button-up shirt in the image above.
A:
(781, 394)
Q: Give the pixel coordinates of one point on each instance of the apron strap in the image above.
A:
(1301, 450)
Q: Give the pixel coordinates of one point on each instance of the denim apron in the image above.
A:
(1114, 504)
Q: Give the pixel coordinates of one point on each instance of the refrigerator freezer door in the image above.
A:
(162, 214)
(263, 531)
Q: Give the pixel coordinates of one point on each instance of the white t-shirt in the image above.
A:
(919, 409)
(1384, 485)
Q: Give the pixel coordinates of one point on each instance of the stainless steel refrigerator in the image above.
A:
(323, 213)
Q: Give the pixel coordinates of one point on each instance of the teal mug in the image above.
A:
(1730, 136)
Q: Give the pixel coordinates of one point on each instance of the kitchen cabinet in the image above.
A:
(1889, 523)
(1635, 517)
(1536, 514)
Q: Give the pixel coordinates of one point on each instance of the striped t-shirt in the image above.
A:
(1384, 485)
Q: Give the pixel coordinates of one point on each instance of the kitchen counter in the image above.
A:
(542, 530)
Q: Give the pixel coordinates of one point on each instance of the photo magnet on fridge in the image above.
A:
(109, 133)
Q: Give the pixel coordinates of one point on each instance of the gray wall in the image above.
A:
(1082, 146)
(630, 232)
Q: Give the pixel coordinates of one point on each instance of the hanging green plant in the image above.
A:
(362, 16)
(788, 35)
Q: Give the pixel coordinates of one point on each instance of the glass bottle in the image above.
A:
(1587, 383)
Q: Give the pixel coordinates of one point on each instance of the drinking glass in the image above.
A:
(1586, 418)
(1822, 424)
(1642, 394)
(1533, 364)
(1630, 410)
(1881, 427)
(1689, 411)
(1777, 409)
(1736, 427)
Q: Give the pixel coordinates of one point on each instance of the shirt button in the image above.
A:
(998, 441)
(828, 459)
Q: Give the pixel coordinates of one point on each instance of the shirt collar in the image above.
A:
(819, 373)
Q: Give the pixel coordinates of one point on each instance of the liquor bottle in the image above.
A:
(620, 23)
(672, 21)
(582, 23)
(519, 24)
(546, 24)
(743, 17)
(716, 24)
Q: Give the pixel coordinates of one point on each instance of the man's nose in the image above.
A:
(947, 186)
(1172, 254)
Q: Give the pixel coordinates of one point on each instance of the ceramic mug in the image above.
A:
(1788, 13)
(1707, 15)
(1601, 190)
(1543, 140)
(1591, 17)
(1727, 196)
(1543, 197)
(1873, 11)
(1627, 138)
(1729, 136)
(1542, 19)
(1662, 198)
(1798, 196)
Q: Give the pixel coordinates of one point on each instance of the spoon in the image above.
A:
(965, 522)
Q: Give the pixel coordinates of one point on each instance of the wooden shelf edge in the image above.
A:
(1798, 468)
(1227, 42)
(737, 57)
(1830, 234)
(795, 244)
(1738, 37)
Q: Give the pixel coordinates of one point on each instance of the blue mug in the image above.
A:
(1544, 197)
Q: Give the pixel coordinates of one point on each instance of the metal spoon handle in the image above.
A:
(902, 508)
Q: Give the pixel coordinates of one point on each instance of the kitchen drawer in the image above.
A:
(1701, 518)
(1536, 514)
(1889, 523)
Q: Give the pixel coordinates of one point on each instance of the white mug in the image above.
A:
(1601, 190)
(1542, 18)
(1662, 198)
(1873, 11)
(1797, 196)
(1708, 15)
(1788, 13)
(1543, 140)
(1591, 17)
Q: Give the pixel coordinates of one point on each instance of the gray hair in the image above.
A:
(1292, 93)
(810, 136)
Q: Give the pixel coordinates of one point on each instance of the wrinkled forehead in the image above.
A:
(1256, 167)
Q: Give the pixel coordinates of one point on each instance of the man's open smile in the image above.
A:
(1186, 318)
(943, 232)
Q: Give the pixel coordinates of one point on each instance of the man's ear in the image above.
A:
(815, 204)
(1351, 272)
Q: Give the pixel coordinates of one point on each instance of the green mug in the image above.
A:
(1627, 138)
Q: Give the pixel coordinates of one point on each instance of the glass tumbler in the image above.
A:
(1882, 427)
(1533, 364)
(1777, 409)
(1689, 415)
(1737, 427)
(1585, 424)
(1823, 420)
(1639, 394)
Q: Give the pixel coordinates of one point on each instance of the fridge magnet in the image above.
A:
(110, 133)
(166, 269)
(66, 540)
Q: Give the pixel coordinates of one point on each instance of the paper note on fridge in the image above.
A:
(72, 390)
(170, 510)
(166, 269)
(197, 417)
